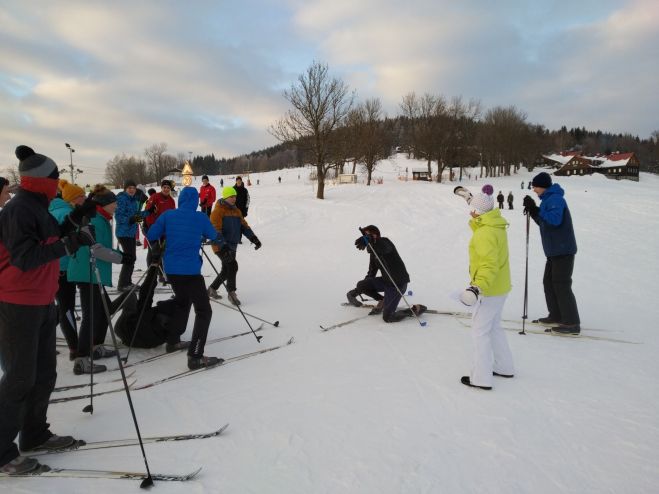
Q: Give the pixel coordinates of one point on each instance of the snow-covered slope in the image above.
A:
(378, 408)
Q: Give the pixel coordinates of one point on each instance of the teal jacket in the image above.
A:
(78, 270)
(488, 254)
(60, 209)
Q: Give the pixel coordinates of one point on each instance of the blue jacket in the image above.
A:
(60, 209)
(127, 207)
(184, 229)
(555, 223)
(78, 270)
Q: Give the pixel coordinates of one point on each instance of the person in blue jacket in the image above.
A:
(560, 247)
(127, 216)
(184, 229)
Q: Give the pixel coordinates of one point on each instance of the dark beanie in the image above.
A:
(151, 191)
(542, 180)
(372, 229)
(104, 197)
(205, 177)
(36, 165)
(3, 183)
(166, 182)
(129, 183)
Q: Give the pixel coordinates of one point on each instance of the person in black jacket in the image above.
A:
(156, 323)
(242, 196)
(392, 271)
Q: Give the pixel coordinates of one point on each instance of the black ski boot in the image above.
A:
(199, 362)
(352, 298)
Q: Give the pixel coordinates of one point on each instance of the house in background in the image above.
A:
(616, 165)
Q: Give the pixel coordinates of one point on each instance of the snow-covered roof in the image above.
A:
(614, 163)
(559, 158)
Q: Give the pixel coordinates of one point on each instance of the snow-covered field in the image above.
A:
(379, 408)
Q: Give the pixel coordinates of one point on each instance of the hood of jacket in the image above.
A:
(491, 218)
(59, 204)
(188, 198)
(552, 190)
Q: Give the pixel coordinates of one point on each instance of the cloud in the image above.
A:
(208, 76)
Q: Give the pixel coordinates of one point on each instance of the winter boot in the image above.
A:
(102, 351)
(377, 309)
(352, 298)
(233, 298)
(83, 365)
(19, 466)
(545, 320)
(199, 362)
(174, 347)
(212, 293)
(56, 443)
(567, 330)
(467, 382)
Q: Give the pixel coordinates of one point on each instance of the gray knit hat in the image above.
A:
(32, 164)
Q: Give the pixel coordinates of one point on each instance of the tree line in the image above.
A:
(326, 127)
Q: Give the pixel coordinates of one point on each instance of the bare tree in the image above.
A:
(122, 167)
(319, 107)
(154, 156)
(372, 144)
(13, 177)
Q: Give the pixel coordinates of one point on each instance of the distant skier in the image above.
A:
(242, 196)
(500, 199)
(206, 196)
(510, 200)
(488, 288)
(393, 280)
(522, 185)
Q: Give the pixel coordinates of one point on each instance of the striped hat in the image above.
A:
(36, 165)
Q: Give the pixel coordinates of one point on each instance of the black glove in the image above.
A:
(530, 206)
(156, 253)
(136, 218)
(226, 254)
(361, 242)
(76, 239)
(256, 242)
(87, 208)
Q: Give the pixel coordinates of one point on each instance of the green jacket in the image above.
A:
(60, 209)
(488, 254)
(78, 270)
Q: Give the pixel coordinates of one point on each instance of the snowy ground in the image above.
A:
(377, 408)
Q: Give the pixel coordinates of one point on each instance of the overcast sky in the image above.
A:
(207, 76)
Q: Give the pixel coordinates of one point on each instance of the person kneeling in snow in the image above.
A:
(487, 291)
(144, 326)
(394, 279)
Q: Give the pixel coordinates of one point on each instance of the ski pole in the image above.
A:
(384, 268)
(90, 408)
(275, 324)
(258, 338)
(148, 481)
(526, 276)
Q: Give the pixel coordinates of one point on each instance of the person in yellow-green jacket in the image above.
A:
(488, 288)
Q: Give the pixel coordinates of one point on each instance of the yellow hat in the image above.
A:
(70, 191)
(228, 192)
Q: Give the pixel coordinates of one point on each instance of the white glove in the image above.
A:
(470, 296)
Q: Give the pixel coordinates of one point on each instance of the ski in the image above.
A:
(222, 363)
(228, 306)
(45, 471)
(341, 324)
(581, 335)
(78, 386)
(120, 443)
(64, 399)
(158, 356)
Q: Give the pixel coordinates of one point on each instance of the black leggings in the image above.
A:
(228, 274)
(66, 303)
(96, 322)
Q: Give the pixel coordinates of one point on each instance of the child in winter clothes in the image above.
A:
(60, 207)
(127, 216)
(94, 324)
(230, 225)
(487, 292)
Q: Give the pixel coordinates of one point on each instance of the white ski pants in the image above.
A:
(491, 350)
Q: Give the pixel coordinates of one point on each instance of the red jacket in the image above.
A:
(206, 196)
(157, 204)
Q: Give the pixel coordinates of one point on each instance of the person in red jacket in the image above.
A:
(156, 205)
(206, 196)
(31, 244)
